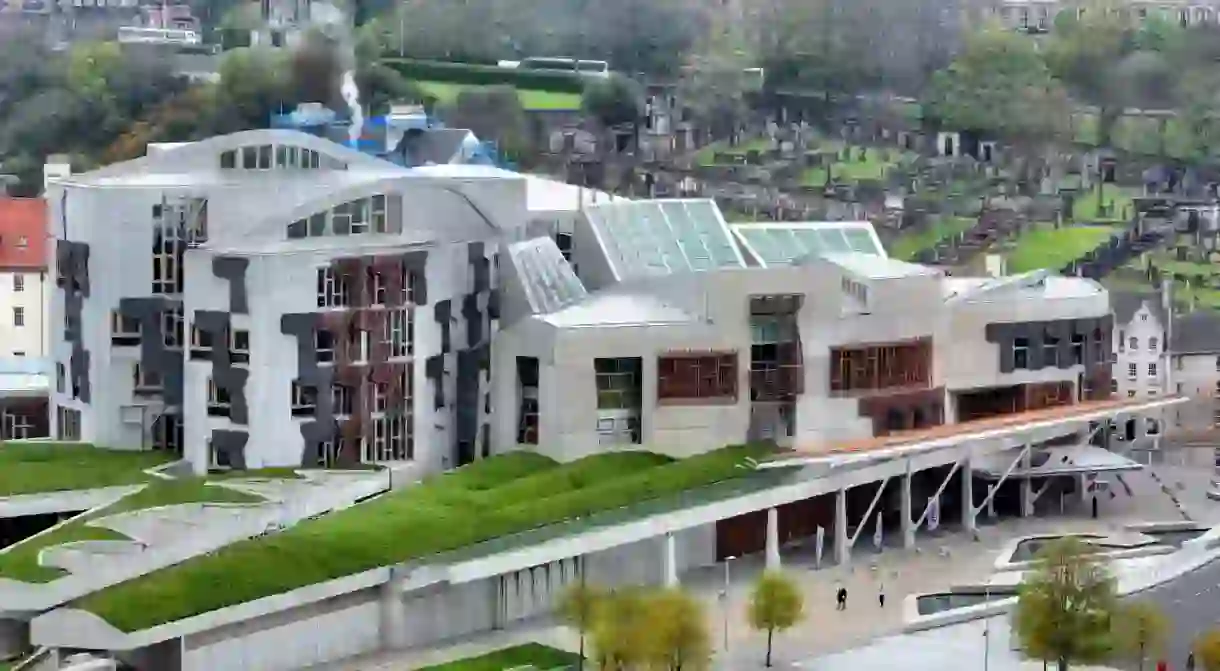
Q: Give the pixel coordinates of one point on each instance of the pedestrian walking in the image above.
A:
(841, 598)
(881, 596)
(1190, 662)
(1162, 666)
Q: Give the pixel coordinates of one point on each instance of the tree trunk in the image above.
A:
(1142, 655)
(580, 664)
(770, 636)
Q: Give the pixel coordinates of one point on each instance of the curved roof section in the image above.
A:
(432, 212)
(204, 155)
(660, 237)
(786, 243)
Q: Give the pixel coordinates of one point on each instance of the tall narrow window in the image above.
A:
(332, 289)
(219, 403)
(1020, 353)
(18, 283)
(19, 316)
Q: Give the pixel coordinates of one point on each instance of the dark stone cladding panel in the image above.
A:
(416, 264)
(474, 319)
(72, 277)
(154, 356)
(479, 265)
(232, 444)
(493, 304)
(233, 269)
(443, 313)
(1004, 335)
(434, 370)
(304, 327)
(470, 362)
(224, 374)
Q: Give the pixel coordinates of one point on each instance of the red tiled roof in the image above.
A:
(23, 234)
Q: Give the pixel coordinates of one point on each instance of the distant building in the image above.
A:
(23, 277)
(1141, 340)
(1195, 369)
(1038, 16)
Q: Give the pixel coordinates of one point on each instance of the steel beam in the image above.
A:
(939, 490)
(868, 514)
(1003, 478)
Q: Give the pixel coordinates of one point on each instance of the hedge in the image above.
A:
(486, 75)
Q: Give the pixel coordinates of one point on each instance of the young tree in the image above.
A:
(578, 609)
(775, 605)
(714, 83)
(1207, 650)
(1065, 606)
(620, 630)
(677, 632)
(1139, 630)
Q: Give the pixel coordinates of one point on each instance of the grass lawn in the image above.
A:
(493, 498)
(536, 655)
(1116, 198)
(873, 167)
(21, 561)
(707, 155)
(31, 468)
(532, 100)
(907, 245)
(1048, 247)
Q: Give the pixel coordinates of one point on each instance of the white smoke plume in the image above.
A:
(336, 25)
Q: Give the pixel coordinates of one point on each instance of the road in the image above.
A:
(1192, 603)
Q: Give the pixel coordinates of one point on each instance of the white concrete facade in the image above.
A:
(23, 327)
(1141, 366)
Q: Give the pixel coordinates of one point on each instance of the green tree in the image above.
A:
(998, 84)
(714, 84)
(1207, 650)
(620, 631)
(775, 605)
(1139, 630)
(578, 608)
(677, 635)
(1065, 606)
(614, 101)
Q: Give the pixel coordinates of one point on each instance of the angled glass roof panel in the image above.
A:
(860, 240)
(716, 237)
(807, 241)
(833, 240)
(663, 236)
(549, 282)
(688, 236)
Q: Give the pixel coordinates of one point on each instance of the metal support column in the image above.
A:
(868, 514)
(1027, 494)
(842, 550)
(968, 509)
(908, 528)
(773, 561)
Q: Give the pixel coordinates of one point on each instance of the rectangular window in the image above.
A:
(239, 346)
(1151, 370)
(377, 289)
(881, 366)
(342, 399)
(400, 333)
(264, 157)
(124, 331)
(304, 399)
(1152, 344)
(324, 344)
(249, 158)
(408, 287)
(1050, 351)
(218, 400)
(378, 211)
(281, 156)
(710, 376)
(297, 230)
(18, 283)
(1020, 353)
(618, 383)
(228, 160)
(67, 423)
(18, 316)
(359, 347)
(391, 440)
(201, 343)
(317, 225)
(145, 380)
(1132, 371)
(332, 289)
(173, 327)
(359, 211)
(1077, 349)
(61, 376)
(341, 219)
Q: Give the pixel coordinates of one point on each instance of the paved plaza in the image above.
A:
(939, 561)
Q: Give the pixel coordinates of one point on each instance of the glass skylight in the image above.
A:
(784, 243)
(659, 237)
(548, 279)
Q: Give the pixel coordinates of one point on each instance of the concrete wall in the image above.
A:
(32, 338)
(383, 616)
(1196, 376)
(900, 308)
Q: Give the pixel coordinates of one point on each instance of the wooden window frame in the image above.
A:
(697, 377)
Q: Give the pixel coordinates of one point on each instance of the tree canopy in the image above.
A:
(775, 605)
(1065, 606)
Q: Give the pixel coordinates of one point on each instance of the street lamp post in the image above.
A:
(987, 629)
(724, 602)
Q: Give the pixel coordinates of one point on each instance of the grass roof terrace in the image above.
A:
(511, 497)
(42, 467)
